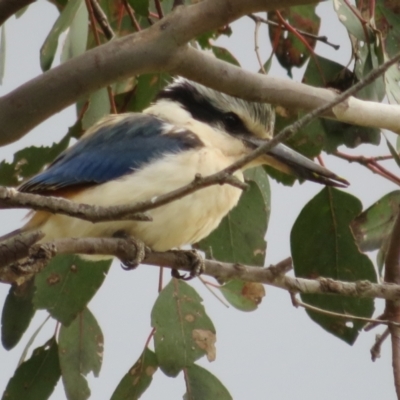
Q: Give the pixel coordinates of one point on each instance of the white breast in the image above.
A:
(184, 221)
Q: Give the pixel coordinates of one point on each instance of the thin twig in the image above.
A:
(256, 47)
(372, 164)
(298, 303)
(322, 39)
(376, 348)
(159, 9)
(90, 9)
(102, 20)
(207, 286)
(131, 14)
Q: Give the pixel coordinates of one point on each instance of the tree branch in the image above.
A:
(10, 7)
(127, 249)
(163, 47)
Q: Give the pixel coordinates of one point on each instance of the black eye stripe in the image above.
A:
(203, 110)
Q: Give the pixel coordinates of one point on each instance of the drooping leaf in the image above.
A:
(224, 55)
(322, 245)
(289, 49)
(80, 352)
(393, 152)
(17, 313)
(49, 47)
(76, 40)
(99, 106)
(387, 19)
(374, 225)
(245, 296)
(67, 284)
(184, 332)
(140, 6)
(240, 235)
(138, 378)
(348, 18)
(148, 85)
(202, 384)
(36, 378)
(29, 161)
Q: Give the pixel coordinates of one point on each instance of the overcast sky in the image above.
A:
(274, 353)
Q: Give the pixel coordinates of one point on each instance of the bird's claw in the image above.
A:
(129, 263)
(196, 263)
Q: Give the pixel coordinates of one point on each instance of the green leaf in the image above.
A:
(374, 225)
(393, 151)
(240, 235)
(202, 384)
(289, 49)
(99, 107)
(140, 6)
(184, 332)
(224, 55)
(2, 52)
(348, 19)
(29, 161)
(148, 85)
(36, 378)
(138, 378)
(388, 21)
(67, 284)
(245, 296)
(76, 40)
(49, 47)
(17, 313)
(322, 245)
(80, 351)
(329, 134)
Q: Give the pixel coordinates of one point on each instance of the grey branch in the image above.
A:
(128, 249)
(163, 47)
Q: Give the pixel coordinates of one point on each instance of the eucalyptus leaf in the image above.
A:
(184, 332)
(322, 245)
(67, 284)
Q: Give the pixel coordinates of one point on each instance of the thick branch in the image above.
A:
(162, 47)
(10, 7)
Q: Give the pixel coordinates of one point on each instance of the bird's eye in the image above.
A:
(231, 121)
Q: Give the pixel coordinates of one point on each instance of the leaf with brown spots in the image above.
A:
(67, 284)
(184, 332)
(245, 296)
(138, 378)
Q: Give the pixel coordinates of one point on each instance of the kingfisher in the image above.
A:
(188, 130)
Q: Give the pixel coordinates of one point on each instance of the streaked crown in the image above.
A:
(230, 114)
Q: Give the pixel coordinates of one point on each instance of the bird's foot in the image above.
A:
(196, 263)
(133, 250)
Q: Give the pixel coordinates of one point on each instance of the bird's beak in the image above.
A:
(289, 161)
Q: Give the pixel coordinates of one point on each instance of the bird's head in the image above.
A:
(249, 123)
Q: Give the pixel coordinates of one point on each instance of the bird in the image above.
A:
(189, 129)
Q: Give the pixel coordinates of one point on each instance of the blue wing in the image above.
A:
(120, 145)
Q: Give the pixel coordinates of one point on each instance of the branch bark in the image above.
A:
(392, 308)
(10, 7)
(163, 47)
(128, 249)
